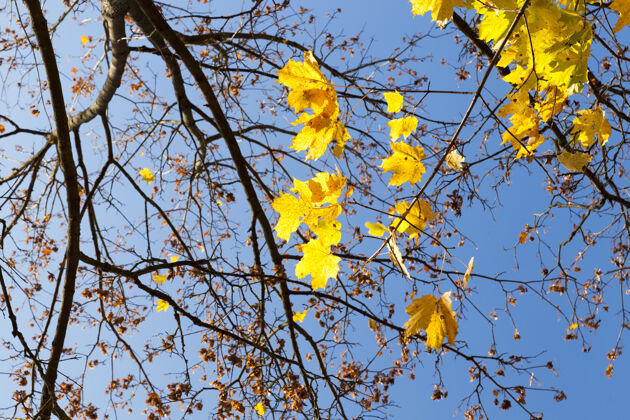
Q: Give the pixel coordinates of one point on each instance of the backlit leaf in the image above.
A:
(394, 101)
(402, 127)
(574, 162)
(317, 262)
(404, 163)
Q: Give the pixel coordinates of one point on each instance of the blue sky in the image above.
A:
(493, 238)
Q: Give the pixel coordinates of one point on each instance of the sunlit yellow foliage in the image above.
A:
(310, 89)
(162, 305)
(441, 10)
(317, 262)
(435, 316)
(307, 205)
(394, 101)
(404, 163)
(299, 316)
(147, 175)
(376, 229)
(623, 8)
(415, 220)
(591, 126)
(402, 127)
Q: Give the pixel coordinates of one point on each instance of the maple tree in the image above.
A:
(214, 210)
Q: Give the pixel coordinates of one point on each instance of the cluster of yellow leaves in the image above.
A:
(399, 126)
(313, 203)
(405, 161)
(310, 89)
(435, 316)
(526, 118)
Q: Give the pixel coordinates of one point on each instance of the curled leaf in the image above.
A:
(454, 160)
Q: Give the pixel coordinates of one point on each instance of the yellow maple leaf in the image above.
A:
(405, 164)
(376, 229)
(317, 262)
(84, 40)
(441, 10)
(291, 211)
(454, 160)
(174, 258)
(328, 231)
(435, 316)
(394, 101)
(402, 127)
(162, 305)
(326, 188)
(623, 8)
(574, 162)
(591, 126)
(299, 316)
(147, 175)
(308, 207)
(159, 278)
(260, 409)
(415, 220)
(317, 135)
(310, 89)
(469, 270)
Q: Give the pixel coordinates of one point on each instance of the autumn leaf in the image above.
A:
(402, 127)
(317, 262)
(441, 10)
(394, 101)
(174, 258)
(469, 270)
(327, 231)
(415, 220)
(372, 325)
(404, 163)
(291, 210)
(260, 409)
(591, 126)
(2, 129)
(395, 256)
(454, 160)
(158, 278)
(376, 229)
(299, 316)
(435, 316)
(623, 8)
(574, 162)
(162, 305)
(309, 205)
(309, 89)
(147, 175)
(84, 40)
